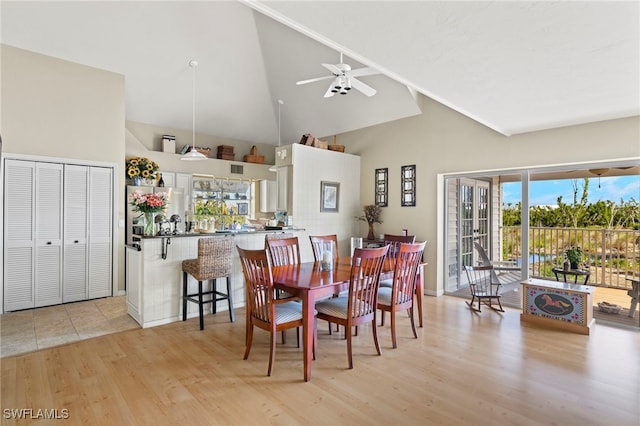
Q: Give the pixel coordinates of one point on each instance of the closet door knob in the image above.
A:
(76, 241)
(48, 243)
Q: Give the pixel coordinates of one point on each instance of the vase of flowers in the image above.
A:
(371, 215)
(141, 168)
(149, 205)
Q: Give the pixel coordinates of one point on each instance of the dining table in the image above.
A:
(309, 282)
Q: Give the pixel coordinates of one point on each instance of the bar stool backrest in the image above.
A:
(214, 258)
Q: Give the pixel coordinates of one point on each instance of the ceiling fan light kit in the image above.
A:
(344, 79)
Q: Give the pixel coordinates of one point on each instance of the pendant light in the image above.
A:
(193, 154)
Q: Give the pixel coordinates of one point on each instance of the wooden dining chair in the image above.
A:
(399, 296)
(394, 242)
(317, 242)
(284, 251)
(359, 305)
(265, 311)
(483, 287)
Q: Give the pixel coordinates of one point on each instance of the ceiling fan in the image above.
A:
(344, 78)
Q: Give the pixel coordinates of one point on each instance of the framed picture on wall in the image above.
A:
(408, 186)
(329, 196)
(243, 208)
(381, 185)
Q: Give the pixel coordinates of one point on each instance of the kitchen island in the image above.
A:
(153, 273)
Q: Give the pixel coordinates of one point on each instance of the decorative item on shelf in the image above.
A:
(169, 144)
(371, 215)
(310, 140)
(334, 147)
(253, 156)
(574, 256)
(225, 152)
(150, 205)
(142, 168)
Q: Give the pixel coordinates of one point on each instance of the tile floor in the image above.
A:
(34, 329)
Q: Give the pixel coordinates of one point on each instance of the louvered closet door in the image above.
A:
(76, 225)
(48, 233)
(100, 232)
(18, 235)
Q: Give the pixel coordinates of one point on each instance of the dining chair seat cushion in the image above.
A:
(384, 296)
(335, 307)
(288, 311)
(386, 283)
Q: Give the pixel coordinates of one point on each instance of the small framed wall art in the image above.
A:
(408, 186)
(329, 196)
(382, 185)
(243, 208)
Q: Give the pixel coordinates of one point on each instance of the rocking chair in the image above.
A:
(483, 288)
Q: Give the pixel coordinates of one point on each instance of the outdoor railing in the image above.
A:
(611, 255)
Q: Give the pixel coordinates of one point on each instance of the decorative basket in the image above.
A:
(334, 147)
(609, 308)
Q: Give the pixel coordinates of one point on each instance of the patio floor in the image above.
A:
(512, 297)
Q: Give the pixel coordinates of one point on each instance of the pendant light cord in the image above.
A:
(193, 64)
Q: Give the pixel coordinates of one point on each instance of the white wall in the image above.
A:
(443, 141)
(55, 108)
(311, 166)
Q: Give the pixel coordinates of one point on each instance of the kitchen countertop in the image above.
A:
(219, 233)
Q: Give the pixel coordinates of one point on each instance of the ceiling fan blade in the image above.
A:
(364, 88)
(313, 80)
(335, 70)
(329, 93)
(361, 72)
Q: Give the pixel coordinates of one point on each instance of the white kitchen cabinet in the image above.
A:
(268, 195)
(284, 190)
(169, 179)
(184, 181)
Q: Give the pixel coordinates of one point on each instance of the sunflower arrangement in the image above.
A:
(143, 167)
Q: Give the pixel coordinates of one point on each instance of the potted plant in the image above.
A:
(574, 256)
(371, 215)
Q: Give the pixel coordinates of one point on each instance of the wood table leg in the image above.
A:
(420, 292)
(308, 324)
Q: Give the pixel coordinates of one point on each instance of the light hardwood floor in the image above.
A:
(465, 368)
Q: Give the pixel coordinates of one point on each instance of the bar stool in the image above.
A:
(213, 262)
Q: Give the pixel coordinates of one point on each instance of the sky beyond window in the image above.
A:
(546, 193)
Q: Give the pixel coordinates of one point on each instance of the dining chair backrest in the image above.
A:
(259, 284)
(284, 251)
(318, 241)
(366, 267)
(394, 242)
(404, 274)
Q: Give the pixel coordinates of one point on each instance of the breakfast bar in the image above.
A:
(153, 273)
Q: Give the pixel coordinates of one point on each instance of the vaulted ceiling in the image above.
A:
(513, 66)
